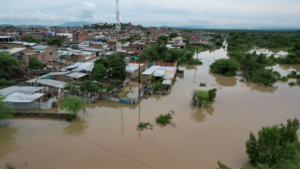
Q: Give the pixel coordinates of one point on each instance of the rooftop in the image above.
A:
(23, 97)
(23, 89)
(40, 47)
(48, 82)
(87, 66)
(76, 75)
(15, 50)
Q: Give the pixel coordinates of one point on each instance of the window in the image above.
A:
(50, 53)
(19, 57)
(137, 48)
(141, 48)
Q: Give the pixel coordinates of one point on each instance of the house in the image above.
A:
(167, 73)
(133, 70)
(177, 39)
(28, 97)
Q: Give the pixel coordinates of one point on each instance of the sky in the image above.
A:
(215, 14)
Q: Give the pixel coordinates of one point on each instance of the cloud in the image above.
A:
(209, 14)
(87, 10)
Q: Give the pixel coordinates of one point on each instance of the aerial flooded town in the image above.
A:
(110, 90)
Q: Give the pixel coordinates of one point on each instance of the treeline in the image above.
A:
(160, 52)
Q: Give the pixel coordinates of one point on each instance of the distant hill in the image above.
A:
(238, 28)
(24, 26)
(71, 24)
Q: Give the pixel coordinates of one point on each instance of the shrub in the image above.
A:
(274, 143)
(226, 67)
(164, 119)
(292, 83)
(143, 126)
(110, 88)
(202, 84)
(153, 78)
(203, 98)
(222, 166)
(264, 76)
(3, 82)
(284, 78)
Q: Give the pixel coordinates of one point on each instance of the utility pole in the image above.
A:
(139, 77)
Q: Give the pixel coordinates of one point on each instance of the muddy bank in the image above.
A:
(105, 135)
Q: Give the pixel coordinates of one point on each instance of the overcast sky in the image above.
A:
(208, 14)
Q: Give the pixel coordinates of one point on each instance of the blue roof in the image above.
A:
(206, 36)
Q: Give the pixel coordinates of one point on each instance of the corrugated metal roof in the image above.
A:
(76, 75)
(40, 47)
(48, 82)
(159, 72)
(23, 89)
(77, 64)
(167, 82)
(87, 66)
(22, 97)
(151, 70)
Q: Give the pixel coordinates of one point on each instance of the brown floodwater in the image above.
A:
(105, 135)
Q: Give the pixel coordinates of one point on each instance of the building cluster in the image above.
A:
(69, 53)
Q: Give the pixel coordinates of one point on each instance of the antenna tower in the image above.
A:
(118, 27)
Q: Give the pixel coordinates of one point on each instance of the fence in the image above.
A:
(33, 106)
(42, 115)
(116, 98)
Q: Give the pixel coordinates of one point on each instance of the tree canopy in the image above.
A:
(274, 144)
(173, 35)
(28, 38)
(227, 67)
(116, 66)
(34, 63)
(99, 72)
(55, 41)
(89, 86)
(8, 65)
(72, 105)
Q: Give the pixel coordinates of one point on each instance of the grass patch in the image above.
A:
(164, 119)
(292, 83)
(203, 84)
(143, 126)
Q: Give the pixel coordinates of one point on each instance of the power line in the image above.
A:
(103, 147)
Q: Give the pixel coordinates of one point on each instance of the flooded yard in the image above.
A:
(105, 135)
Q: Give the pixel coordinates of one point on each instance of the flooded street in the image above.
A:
(105, 135)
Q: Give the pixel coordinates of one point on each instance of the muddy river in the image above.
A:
(105, 135)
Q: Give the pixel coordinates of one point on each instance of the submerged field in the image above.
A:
(105, 135)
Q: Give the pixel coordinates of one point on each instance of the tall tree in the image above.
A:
(116, 66)
(99, 72)
(55, 41)
(34, 63)
(8, 65)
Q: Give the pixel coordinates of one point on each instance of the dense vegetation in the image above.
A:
(29, 39)
(276, 147)
(202, 98)
(99, 72)
(227, 67)
(34, 63)
(8, 65)
(114, 65)
(55, 41)
(143, 126)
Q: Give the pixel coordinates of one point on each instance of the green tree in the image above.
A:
(222, 166)
(102, 61)
(8, 65)
(274, 144)
(28, 38)
(89, 86)
(72, 105)
(99, 72)
(227, 67)
(5, 111)
(163, 38)
(116, 66)
(173, 35)
(55, 41)
(34, 63)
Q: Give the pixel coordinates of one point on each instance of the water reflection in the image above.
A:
(290, 67)
(7, 140)
(76, 127)
(198, 115)
(263, 89)
(224, 80)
